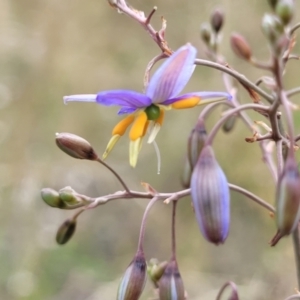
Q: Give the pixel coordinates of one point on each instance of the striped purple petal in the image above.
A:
(170, 79)
(201, 95)
(127, 99)
(126, 110)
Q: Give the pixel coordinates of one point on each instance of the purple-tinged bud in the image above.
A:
(240, 46)
(287, 200)
(69, 196)
(171, 285)
(186, 174)
(66, 231)
(229, 123)
(134, 279)
(75, 146)
(272, 27)
(217, 20)
(196, 142)
(285, 10)
(205, 33)
(211, 197)
(51, 197)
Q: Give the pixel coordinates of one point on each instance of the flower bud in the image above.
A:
(287, 200)
(65, 231)
(186, 174)
(240, 46)
(134, 279)
(211, 197)
(171, 285)
(217, 20)
(229, 123)
(69, 196)
(196, 142)
(285, 10)
(272, 27)
(75, 146)
(51, 197)
(205, 33)
(272, 3)
(156, 269)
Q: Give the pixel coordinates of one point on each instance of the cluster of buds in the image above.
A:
(210, 32)
(64, 198)
(274, 25)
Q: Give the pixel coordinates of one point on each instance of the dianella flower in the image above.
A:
(211, 197)
(145, 112)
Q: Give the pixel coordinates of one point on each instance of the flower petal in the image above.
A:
(80, 98)
(126, 110)
(126, 98)
(202, 95)
(169, 80)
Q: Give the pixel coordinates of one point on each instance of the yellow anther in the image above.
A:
(186, 103)
(121, 127)
(138, 128)
(110, 145)
(161, 117)
(134, 150)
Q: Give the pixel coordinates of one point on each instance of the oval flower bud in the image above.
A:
(196, 142)
(155, 270)
(229, 123)
(171, 285)
(217, 20)
(186, 174)
(66, 231)
(287, 200)
(272, 27)
(285, 10)
(211, 197)
(240, 46)
(205, 33)
(75, 146)
(68, 196)
(51, 197)
(134, 279)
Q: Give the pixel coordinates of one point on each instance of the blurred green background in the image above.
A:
(49, 49)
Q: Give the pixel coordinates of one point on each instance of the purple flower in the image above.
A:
(146, 111)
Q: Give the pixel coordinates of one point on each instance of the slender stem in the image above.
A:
(174, 230)
(233, 289)
(219, 124)
(209, 108)
(279, 157)
(115, 173)
(143, 224)
(294, 28)
(296, 242)
(260, 64)
(240, 77)
(293, 92)
(253, 197)
(148, 20)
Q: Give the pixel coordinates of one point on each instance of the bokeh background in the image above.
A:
(49, 49)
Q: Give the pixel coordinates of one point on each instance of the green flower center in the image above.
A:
(152, 112)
